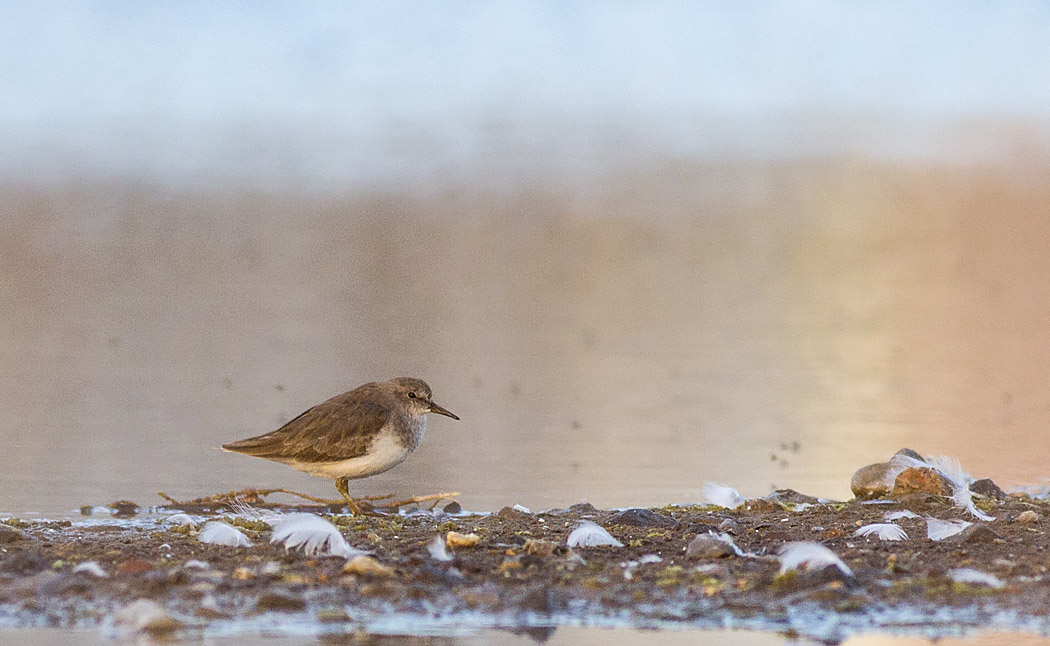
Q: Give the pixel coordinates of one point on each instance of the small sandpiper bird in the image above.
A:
(360, 433)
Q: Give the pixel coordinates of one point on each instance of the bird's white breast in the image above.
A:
(385, 452)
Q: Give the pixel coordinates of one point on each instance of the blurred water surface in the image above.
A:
(761, 325)
(634, 248)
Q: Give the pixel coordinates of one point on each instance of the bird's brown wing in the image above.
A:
(338, 429)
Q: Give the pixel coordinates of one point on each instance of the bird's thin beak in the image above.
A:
(434, 408)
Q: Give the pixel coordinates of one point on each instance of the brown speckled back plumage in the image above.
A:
(338, 429)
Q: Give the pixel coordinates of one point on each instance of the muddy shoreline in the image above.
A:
(521, 575)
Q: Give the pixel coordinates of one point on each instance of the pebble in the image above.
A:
(10, 534)
(1027, 516)
(922, 480)
(985, 487)
(871, 481)
(707, 546)
(510, 513)
(791, 497)
(455, 539)
(640, 518)
(976, 533)
(368, 567)
(539, 547)
(911, 454)
(452, 508)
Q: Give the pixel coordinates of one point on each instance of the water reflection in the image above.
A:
(621, 344)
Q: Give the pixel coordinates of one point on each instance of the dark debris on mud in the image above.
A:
(158, 577)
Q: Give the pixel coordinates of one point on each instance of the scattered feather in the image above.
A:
(728, 540)
(938, 530)
(181, 520)
(92, 568)
(315, 535)
(950, 468)
(897, 515)
(883, 532)
(522, 508)
(438, 550)
(219, 533)
(963, 497)
(629, 566)
(590, 534)
(722, 495)
(970, 575)
(810, 556)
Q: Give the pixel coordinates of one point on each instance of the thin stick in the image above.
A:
(255, 495)
(436, 497)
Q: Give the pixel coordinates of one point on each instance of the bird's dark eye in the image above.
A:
(411, 395)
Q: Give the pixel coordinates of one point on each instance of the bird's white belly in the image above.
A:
(384, 453)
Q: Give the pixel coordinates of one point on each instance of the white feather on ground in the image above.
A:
(590, 534)
(439, 550)
(728, 540)
(722, 495)
(629, 566)
(897, 515)
(180, 520)
(219, 533)
(882, 531)
(938, 530)
(970, 575)
(809, 556)
(92, 568)
(315, 535)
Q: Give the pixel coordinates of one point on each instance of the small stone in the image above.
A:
(455, 539)
(910, 454)
(10, 534)
(707, 546)
(640, 518)
(583, 508)
(985, 487)
(510, 513)
(976, 533)
(452, 508)
(923, 480)
(279, 602)
(728, 525)
(791, 497)
(1027, 516)
(540, 548)
(86, 510)
(367, 566)
(871, 481)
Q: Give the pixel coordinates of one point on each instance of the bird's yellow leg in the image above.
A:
(341, 485)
